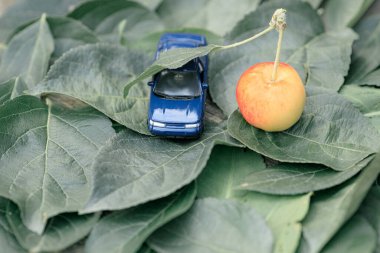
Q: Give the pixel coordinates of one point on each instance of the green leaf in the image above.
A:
(8, 241)
(145, 249)
(227, 167)
(299, 17)
(370, 209)
(314, 3)
(325, 59)
(372, 79)
(76, 248)
(25, 11)
(366, 99)
(288, 178)
(11, 89)
(224, 171)
(28, 54)
(62, 230)
(330, 132)
(103, 16)
(330, 209)
(339, 14)
(133, 169)
(69, 33)
(213, 15)
(151, 4)
(214, 225)
(356, 236)
(284, 215)
(45, 157)
(363, 60)
(2, 49)
(3, 219)
(96, 74)
(376, 122)
(125, 231)
(321, 59)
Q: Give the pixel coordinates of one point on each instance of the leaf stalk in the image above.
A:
(268, 29)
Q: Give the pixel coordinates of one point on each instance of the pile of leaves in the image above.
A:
(79, 172)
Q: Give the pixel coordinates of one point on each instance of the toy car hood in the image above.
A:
(170, 110)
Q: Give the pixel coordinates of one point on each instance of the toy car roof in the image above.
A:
(179, 40)
(197, 39)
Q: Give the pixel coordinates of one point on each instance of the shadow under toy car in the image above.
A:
(178, 96)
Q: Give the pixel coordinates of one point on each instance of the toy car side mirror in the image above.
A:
(150, 83)
(204, 86)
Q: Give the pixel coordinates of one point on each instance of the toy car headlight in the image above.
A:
(192, 125)
(157, 124)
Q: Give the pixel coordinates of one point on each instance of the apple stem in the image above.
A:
(278, 52)
(280, 21)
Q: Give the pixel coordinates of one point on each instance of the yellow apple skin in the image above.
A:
(271, 106)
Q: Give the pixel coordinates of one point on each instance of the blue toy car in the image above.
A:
(178, 96)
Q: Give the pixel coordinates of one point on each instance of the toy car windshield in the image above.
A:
(178, 84)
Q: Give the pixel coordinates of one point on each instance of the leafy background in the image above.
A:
(79, 171)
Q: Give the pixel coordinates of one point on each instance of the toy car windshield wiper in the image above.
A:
(172, 97)
(178, 96)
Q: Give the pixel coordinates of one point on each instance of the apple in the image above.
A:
(271, 104)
